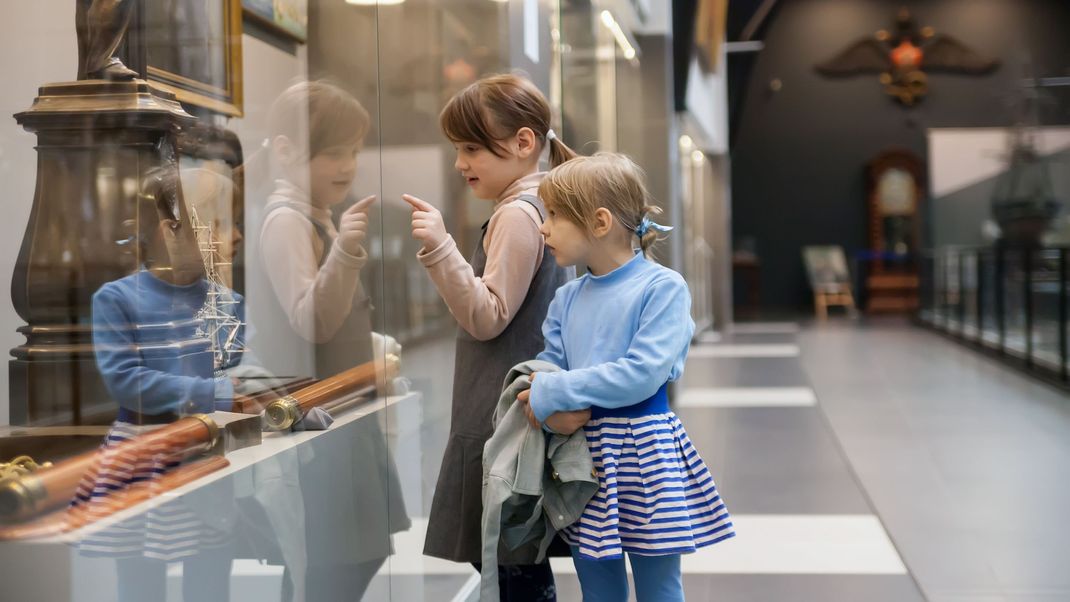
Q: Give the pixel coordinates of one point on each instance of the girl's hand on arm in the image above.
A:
(427, 224)
(353, 226)
(562, 423)
(566, 423)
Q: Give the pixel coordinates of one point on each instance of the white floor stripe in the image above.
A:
(765, 328)
(773, 350)
(822, 544)
(746, 397)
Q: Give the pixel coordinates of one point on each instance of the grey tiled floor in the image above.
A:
(965, 460)
(777, 588)
(744, 372)
(778, 461)
(965, 463)
(774, 461)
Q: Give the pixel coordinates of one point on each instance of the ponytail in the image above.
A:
(559, 151)
(649, 238)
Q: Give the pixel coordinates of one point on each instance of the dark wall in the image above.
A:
(798, 160)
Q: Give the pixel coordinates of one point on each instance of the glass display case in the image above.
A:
(230, 374)
(1012, 301)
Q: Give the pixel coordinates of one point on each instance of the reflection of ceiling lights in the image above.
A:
(374, 2)
(697, 156)
(618, 33)
(686, 143)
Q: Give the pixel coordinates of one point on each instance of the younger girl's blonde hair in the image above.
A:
(577, 188)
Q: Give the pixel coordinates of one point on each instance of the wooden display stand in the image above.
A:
(826, 267)
(839, 297)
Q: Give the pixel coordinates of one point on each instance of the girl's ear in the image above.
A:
(526, 142)
(603, 222)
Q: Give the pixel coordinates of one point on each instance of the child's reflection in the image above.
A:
(154, 334)
(320, 321)
(312, 265)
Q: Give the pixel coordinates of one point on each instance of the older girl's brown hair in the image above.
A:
(495, 108)
(577, 188)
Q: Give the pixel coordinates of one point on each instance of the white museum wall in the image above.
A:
(41, 49)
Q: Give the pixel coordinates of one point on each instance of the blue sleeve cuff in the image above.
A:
(542, 403)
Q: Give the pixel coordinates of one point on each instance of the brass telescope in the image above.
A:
(283, 412)
(48, 489)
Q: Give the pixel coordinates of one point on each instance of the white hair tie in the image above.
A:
(551, 135)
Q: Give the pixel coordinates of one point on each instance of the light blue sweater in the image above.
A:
(617, 338)
(148, 351)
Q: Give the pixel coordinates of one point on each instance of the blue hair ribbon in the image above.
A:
(647, 224)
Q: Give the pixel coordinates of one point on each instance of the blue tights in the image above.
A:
(657, 578)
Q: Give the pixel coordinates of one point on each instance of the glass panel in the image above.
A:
(969, 294)
(430, 51)
(927, 290)
(1045, 300)
(953, 290)
(940, 313)
(989, 286)
(1014, 302)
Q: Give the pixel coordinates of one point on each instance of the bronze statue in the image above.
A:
(101, 25)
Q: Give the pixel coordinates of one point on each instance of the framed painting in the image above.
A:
(191, 48)
(288, 18)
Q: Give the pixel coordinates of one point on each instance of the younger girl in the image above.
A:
(620, 334)
(499, 125)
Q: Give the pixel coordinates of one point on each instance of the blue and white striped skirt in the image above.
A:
(167, 532)
(655, 495)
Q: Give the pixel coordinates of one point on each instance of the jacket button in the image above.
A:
(560, 517)
(556, 476)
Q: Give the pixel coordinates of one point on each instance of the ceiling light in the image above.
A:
(622, 39)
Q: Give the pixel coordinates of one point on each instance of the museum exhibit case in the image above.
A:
(229, 374)
(1010, 301)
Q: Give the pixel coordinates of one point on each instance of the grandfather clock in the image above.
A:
(895, 191)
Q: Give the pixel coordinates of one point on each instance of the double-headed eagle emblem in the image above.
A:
(904, 57)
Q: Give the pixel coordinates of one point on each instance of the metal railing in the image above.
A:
(1011, 301)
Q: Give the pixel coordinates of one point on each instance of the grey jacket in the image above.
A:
(526, 502)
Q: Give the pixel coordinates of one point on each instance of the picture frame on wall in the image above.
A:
(288, 18)
(192, 48)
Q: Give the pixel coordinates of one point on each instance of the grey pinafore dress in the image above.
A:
(366, 499)
(453, 530)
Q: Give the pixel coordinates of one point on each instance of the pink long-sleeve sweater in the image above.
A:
(484, 305)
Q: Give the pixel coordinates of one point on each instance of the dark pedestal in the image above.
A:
(96, 142)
